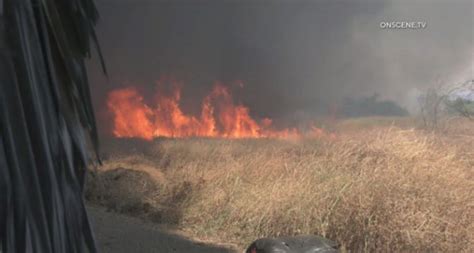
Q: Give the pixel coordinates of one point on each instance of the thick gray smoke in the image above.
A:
(292, 56)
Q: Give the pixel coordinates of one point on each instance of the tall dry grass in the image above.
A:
(377, 190)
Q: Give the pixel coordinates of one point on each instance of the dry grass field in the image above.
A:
(377, 187)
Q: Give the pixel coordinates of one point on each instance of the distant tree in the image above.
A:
(461, 100)
(461, 107)
(371, 106)
(430, 107)
(443, 100)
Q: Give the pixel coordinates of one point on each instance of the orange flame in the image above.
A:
(219, 117)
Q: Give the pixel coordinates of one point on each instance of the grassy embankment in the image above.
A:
(377, 187)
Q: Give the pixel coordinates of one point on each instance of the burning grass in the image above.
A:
(220, 116)
(379, 190)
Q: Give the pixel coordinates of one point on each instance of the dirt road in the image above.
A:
(120, 234)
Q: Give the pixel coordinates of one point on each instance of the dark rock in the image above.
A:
(296, 244)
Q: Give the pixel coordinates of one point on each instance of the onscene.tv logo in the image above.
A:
(403, 25)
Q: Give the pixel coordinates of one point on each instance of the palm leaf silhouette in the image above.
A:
(47, 126)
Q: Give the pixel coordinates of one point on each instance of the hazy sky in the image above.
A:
(292, 56)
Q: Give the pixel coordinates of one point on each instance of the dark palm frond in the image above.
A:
(46, 124)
